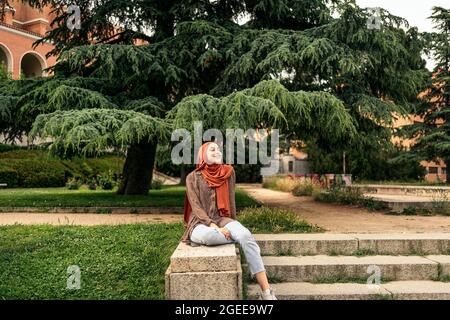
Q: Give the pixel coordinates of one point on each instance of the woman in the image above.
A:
(210, 212)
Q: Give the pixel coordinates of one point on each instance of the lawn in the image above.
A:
(116, 262)
(168, 196)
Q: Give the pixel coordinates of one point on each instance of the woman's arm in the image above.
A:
(192, 194)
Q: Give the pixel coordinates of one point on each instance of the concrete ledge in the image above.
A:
(431, 243)
(348, 244)
(311, 268)
(204, 273)
(418, 290)
(426, 191)
(444, 264)
(306, 244)
(204, 258)
(398, 290)
(323, 291)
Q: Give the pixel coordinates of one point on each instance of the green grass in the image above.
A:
(116, 262)
(168, 196)
(275, 220)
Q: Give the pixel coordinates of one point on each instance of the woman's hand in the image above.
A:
(213, 225)
(225, 232)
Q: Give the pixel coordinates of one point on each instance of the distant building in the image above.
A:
(296, 162)
(20, 27)
(436, 171)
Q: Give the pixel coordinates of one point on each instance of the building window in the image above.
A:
(433, 170)
(291, 166)
(444, 170)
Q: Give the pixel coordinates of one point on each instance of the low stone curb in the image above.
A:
(105, 210)
(123, 210)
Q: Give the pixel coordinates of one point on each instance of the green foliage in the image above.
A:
(8, 147)
(106, 181)
(348, 196)
(248, 173)
(93, 130)
(156, 184)
(167, 196)
(92, 184)
(306, 188)
(274, 220)
(35, 168)
(4, 74)
(433, 135)
(10, 177)
(32, 173)
(345, 81)
(367, 162)
(73, 184)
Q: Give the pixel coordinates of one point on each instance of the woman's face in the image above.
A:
(213, 154)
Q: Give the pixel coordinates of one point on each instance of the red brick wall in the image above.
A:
(19, 31)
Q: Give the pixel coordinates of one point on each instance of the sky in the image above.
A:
(415, 11)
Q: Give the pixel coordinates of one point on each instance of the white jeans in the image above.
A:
(212, 237)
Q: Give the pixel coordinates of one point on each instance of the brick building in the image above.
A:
(436, 170)
(20, 27)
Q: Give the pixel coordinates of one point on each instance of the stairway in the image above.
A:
(338, 266)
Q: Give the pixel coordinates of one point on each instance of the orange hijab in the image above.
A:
(216, 175)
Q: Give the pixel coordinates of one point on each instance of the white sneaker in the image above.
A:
(269, 294)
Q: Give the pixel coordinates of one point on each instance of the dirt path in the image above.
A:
(85, 219)
(346, 219)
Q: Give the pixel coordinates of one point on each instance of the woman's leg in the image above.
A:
(251, 250)
(208, 236)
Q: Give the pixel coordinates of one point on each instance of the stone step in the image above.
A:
(421, 191)
(322, 268)
(348, 244)
(401, 290)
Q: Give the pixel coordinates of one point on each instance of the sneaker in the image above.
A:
(195, 244)
(269, 294)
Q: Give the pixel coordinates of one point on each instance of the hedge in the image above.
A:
(37, 169)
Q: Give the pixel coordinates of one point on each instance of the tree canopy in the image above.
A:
(432, 136)
(293, 65)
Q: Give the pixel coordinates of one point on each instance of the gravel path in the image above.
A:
(85, 219)
(346, 219)
(334, 218)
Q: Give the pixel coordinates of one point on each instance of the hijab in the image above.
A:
(216, 176)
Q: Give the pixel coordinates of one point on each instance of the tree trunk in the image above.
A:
(447, 171)
(138, 168)
(183, 175)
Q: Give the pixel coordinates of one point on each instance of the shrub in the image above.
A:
(156, 184)
(37, 169)
(348, 196)
(305, 188)
(8, 147)
(92, 184)
(248, 173)
(73, 184)
(274, 220)
(10, 177)
(286, 184)
(106, 181)
(270, 182)
(281, 183)
(35, 172)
